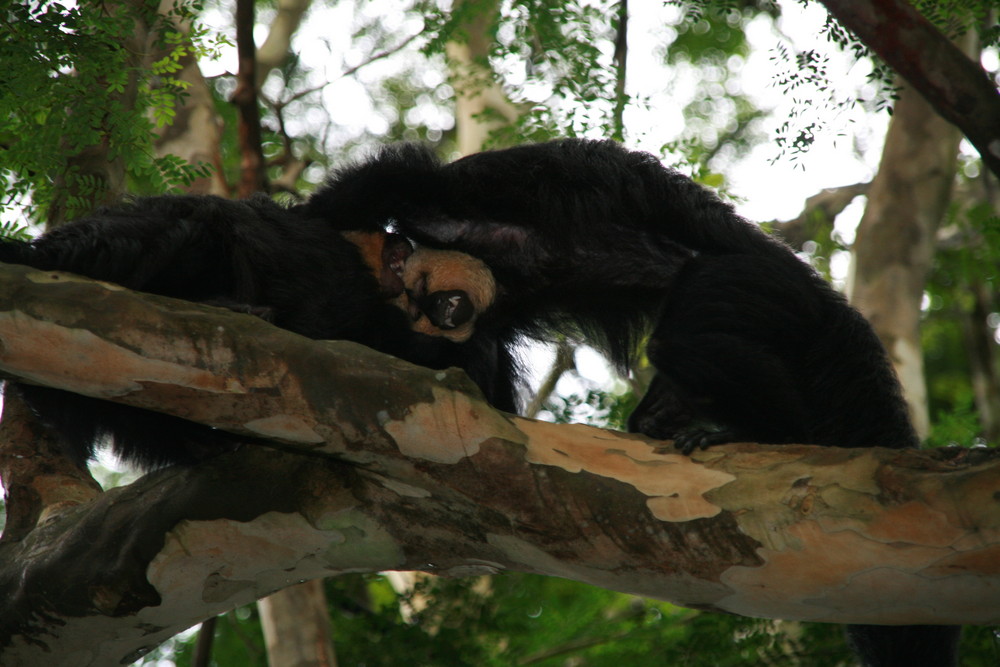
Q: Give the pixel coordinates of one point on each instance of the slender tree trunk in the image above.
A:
(981, 345)
(275, 50)
(296, 625)
(203, 647)
(195, 135)
(295, 620)
(481, 106)
(621, 69)
(253, 176)
(895, 240)
(981, 350)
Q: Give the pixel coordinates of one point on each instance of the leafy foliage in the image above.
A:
(12, 230)
(956, 17)
(712, 41)
(522, 619)
(962, 300)
(596, 407)
(803, 76)
(75, 79)
(554, 57)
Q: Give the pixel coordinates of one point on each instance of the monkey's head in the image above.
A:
(443, 291)
(446, 292)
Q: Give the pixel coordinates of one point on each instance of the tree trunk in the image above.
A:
(621, 72)
(38, 479)
(95, 176)
(195, 135)
(296, 624)
(274, 52)
(253, 173)
(895, 240)
(481, 105)
(983, 366)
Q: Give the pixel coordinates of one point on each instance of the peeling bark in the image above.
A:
(382, 465)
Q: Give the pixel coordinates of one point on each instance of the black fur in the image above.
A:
(582, 237)
(253, 256)
(748, 341)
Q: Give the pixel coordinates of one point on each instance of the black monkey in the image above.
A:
(748, 341)
(578, 234)
(319, 276)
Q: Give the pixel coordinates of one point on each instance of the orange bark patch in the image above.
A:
(101, 369)
(820, 565)
(984, 561)
(675, 483)
(448, 429)
(911, 522)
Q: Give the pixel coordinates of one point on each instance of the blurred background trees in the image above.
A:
(772, 103)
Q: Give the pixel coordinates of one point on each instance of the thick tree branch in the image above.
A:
(37, 479)
(391, 466)
(821, 209)
(956, 86)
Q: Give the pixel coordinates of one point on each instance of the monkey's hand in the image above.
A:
(694, 438)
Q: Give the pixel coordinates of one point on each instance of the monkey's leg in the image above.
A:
(726, 346)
